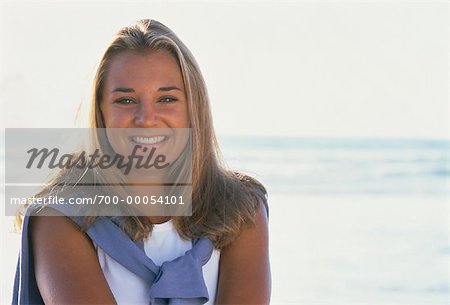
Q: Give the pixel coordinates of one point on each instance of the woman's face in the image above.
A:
(144, 94)
(144, 90)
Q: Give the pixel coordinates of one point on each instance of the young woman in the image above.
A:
(148, 78)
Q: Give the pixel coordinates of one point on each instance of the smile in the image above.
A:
(149, 140)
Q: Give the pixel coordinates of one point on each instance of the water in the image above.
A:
(352, 221)
(344, 166)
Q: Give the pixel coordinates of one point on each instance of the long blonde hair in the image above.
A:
(223, 201)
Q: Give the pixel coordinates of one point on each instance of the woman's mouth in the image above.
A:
(151, 141)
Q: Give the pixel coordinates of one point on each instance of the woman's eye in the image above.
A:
(125, 101)
(168, 99)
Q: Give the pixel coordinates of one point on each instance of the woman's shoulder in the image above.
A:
(254, 187)
(48, 227)
(244, 264)
(58, 248)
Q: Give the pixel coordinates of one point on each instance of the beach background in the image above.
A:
(341, 109)
(352, 221)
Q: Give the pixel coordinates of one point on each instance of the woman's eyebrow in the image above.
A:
(169, 88)
(127, 90)
(123, 89)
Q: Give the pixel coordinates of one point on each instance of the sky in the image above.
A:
(366, 69)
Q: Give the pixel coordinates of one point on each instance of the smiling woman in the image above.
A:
(144, 89)
(149, 85)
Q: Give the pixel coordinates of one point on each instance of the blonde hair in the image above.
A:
(223, 201)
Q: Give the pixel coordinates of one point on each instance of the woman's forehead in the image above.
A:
(131, 67)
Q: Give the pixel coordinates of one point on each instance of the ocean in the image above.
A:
(347, 167)
(352, 221)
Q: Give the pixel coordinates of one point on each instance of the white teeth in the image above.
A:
(152, 140)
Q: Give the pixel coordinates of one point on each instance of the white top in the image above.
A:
(164, 244)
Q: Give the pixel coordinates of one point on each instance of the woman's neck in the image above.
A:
(159, 219)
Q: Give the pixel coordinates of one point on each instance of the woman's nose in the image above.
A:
(146, 116)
